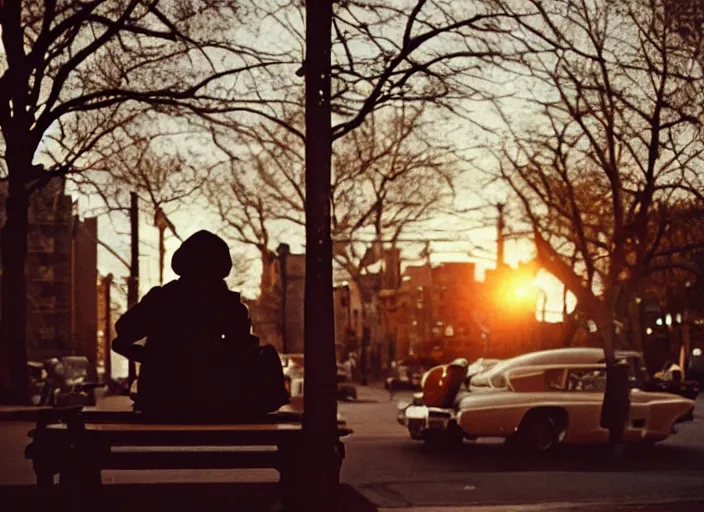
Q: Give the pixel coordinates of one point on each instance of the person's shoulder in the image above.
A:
(169, 287)
(158, 293)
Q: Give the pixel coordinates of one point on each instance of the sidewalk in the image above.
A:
(30, 413)
(8, 413)
(660, 506)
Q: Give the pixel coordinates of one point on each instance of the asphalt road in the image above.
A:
(390, 470)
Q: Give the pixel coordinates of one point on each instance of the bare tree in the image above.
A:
(71, 71)
(389, 175)
(613, 138)
(164, 177)
(420, 51)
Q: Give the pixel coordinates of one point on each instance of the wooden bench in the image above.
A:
(76, 445)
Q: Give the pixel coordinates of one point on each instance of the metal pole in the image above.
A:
(348, 291)
(133, 284)
(500, 237)
(162, 251)
(686, 348)
(107, 328)
(283, 265)
(321, 457)
(161, 224)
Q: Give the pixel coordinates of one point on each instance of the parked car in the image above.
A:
(293, 367)
(695, 368)
(481, 365)
(576, 355)
(670, 381)
(538, 400)
(69, 380)
(37, 382)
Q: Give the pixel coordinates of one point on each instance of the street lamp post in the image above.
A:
(161, 224)
(107, 328)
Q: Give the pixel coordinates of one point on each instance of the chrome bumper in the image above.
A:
(423, 417)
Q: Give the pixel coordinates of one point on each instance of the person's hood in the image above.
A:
(202, 255)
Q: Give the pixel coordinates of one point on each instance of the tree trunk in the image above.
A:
(615, 407)
(571, 323)
(13, 325)
(321, 454)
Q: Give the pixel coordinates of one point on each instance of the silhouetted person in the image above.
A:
(200, 361)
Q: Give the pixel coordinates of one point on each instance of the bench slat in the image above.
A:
(138, 428)
(191, 460)
(103, 416)
(174, 436)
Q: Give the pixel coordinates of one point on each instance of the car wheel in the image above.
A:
(538, 432)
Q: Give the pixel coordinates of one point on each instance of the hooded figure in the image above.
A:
(200, 359)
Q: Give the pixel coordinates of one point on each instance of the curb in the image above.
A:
(604, 506)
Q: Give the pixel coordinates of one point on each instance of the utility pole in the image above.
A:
(161, 224)
(283, 251)
(107, 328)
(428, 322)
(321, 456)
(133, 283)
(500, 236)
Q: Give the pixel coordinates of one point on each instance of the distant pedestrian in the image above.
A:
(353, 366)
(200, 360)
(391, 380)
(347, 366)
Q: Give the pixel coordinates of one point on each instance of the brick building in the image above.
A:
(348, 318)
(278, 317)
(61, 275)
(444, 312)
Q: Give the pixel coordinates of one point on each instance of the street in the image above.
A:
(390, 470)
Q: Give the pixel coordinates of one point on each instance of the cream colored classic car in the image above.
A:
(543, 405)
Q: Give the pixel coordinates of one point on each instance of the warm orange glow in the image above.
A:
(518, 291)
